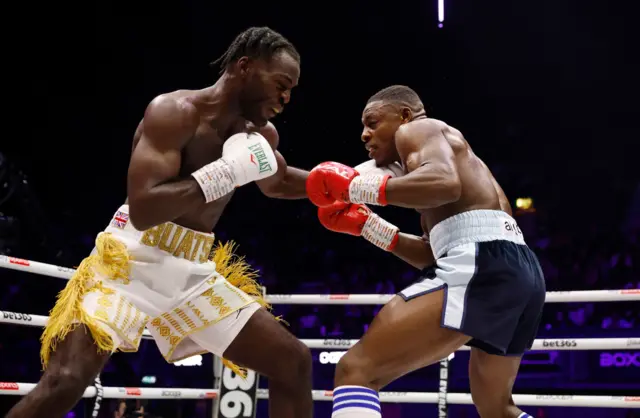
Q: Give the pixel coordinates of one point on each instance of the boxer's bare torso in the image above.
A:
(479, 188)
(202, 147)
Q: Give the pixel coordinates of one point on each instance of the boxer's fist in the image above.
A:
(329, 182)
(359, 220)
(346, 218)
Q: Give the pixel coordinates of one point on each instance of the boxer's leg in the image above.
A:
(72, 367)
(403, 337)
(491, 378)
(254, 339)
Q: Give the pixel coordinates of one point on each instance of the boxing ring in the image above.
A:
(237, 406)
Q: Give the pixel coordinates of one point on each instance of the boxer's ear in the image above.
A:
(243, 66)
(406, 114)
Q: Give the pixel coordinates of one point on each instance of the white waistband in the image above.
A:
(474, 226)
(173, 239)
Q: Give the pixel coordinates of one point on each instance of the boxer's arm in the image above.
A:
(433, 176)
(292, 185)
(288, 182)
(414, 250)
(155, 196)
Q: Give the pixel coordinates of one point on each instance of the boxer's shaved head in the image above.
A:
(400, 96)
(256, 43)
(382, 116)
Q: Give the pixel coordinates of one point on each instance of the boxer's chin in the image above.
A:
(259, 119)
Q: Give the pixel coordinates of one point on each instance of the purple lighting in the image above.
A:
(620, 359)
(440, 12)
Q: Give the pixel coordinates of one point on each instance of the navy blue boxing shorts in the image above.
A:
(494, 288)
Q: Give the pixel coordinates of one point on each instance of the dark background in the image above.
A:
(546, 93)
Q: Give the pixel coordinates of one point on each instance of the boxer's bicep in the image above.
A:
(167, 126)
(432, 178)
(151, 166)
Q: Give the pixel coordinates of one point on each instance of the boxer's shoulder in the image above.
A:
(420, 132)
(173, 112)
(420, 129)
(170, 116)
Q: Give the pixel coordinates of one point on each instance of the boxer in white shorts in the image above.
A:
(157, 264)
(481, 284)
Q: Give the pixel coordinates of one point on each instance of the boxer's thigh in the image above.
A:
(404, 336)
(253, 338)
(76, 359)
(218, 337)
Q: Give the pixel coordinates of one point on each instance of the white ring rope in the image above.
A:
(14, 388)
(619, 295)
(580, 344)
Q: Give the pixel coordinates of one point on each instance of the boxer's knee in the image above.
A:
(64, 381)
(296, 366)
(356, 370)
(301, 362)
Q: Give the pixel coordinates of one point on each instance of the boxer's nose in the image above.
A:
(366, 135)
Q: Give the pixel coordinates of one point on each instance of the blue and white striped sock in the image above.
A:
(355, 402)
(524, 415)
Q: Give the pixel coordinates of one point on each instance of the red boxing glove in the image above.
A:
(358, 220)
(343, 217)
(329, 182)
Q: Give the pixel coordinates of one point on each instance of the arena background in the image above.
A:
(546, 93)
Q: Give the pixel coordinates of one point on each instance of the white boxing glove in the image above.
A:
(368, 168)
(245, 158)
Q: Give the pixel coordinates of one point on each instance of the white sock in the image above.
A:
(524, 415)
(355, 402)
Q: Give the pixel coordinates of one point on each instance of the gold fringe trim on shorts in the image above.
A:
(111, 259)
(239, 274)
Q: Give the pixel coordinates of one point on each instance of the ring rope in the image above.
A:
(554, 344)
(618, 295)
(15, 388)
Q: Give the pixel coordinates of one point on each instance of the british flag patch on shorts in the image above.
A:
(120, 220)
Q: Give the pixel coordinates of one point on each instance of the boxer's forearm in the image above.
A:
(414, 250)
(164, 203)
(423, 188)
(292, 185)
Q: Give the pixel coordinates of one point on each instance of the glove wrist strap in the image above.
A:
(216, 179)
(380, 233)
(369, 189)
